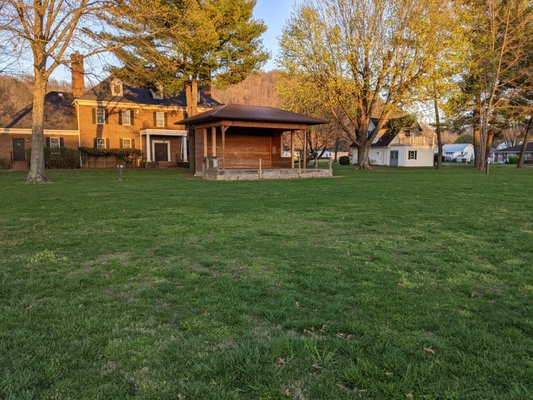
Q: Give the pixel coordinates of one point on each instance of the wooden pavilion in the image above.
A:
(247, 142)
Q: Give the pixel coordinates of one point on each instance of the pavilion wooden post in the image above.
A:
(305, 149)
(260, 168)
(205, 148)
(214, 145)
(224, 129)
(292, 149)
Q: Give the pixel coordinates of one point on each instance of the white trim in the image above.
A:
(163, 132)
(124, 104)
(161, 141)
(184, 149)
(127, 112)
(160, 123)
(47, 132)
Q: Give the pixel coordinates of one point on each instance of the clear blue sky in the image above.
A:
(274, 13)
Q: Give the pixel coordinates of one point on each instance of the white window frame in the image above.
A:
(126, 121)
(100, 116)
(412, 155)
(55, 145)
(129, 146)
(117, 83)
(158, 122)
(101, 143)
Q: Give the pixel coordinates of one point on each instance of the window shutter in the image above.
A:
(165, 119)
(155, 118)
(120, 117)
(47, 142)
(95, 143)
(94, 115)
(61, 142)
(132, 144)
(131, 117)
(121, 143)
(107, 143)
(106, 116)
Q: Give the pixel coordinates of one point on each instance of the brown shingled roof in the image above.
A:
(59, 113)
(238, 112)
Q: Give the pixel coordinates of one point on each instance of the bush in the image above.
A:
(513, 160)
(128, 156)
(344, 160)
(4, 163)
(64, 158)
(464, 139)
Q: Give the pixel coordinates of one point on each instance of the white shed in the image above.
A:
(460, 152)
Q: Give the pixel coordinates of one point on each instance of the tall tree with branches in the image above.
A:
(212, 39)
(366, 57)
(49, 32)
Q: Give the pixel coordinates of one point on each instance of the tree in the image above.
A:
(366, 57)
(49, 31)
(212, 39)
(500, 64)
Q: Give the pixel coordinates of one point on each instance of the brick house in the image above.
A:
(112, 115)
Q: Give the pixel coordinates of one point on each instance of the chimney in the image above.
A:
(78, 75)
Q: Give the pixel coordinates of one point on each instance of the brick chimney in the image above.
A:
(78, 75)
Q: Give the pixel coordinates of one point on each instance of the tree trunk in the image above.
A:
(362, 155)
(524, 146)
(37, 172)
(191, 97)
(439, 134)
(476, 137)
(336, 148)
(490, 138)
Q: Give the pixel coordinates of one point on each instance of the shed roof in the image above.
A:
(452, 148)
(59, 113)
(239, 112)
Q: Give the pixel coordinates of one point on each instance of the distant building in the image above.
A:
(502, 155)
(412, 147)
(460, 152)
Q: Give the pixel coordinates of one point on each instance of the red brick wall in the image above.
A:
(114, 131)
(6, 143)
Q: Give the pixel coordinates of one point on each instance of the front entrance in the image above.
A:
(160, 151)
(394, 156)
(19, 149)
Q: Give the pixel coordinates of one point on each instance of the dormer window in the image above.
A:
(116, 88)
(159, 93)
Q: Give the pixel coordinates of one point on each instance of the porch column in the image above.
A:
(205, 164)
(148, 149)
(214, 141)
(292, 149)
(185, 150)
(224, 129)
(305, 149)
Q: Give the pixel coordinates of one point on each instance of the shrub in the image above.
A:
(513, 160)
(344, 160)
(64, 158)
(4, 163)
(128, 156)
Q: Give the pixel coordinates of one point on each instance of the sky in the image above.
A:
(274, 13)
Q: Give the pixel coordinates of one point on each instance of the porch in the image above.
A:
(164, 147)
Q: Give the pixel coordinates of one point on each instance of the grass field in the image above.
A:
(388, 284)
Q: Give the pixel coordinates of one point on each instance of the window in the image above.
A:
(407, 132)
(160, 119)
(126, 117)
(413, 154)
(100, 116)
(116, 87)
(100, 143)
(127, 143)
(55, 145)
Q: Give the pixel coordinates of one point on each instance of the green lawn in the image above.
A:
(388, 284)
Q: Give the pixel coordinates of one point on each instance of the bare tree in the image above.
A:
(49, 31)
(365, 57)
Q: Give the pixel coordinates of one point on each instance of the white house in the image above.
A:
(412, 147)
(460, 152)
